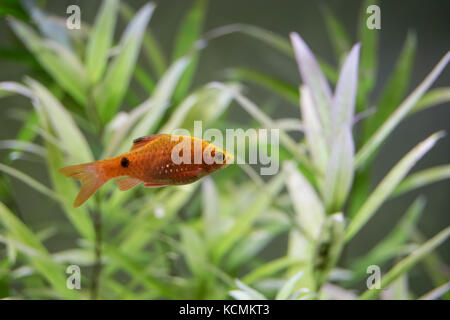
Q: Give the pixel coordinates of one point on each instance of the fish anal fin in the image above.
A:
(152, 185)
(142, 141)
(126, 183)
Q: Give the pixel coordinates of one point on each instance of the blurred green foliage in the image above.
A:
(196, 241)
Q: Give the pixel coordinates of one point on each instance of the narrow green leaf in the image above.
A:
(280, 87)
(309, 210)
(340, 166)
(194, 251)
(101, 39)
(241, 227)
(395, 88)
(248, 248)
(289, 286)
(334, 292)
(159, 101)
(290, 124)
(188, 33)
(336, 32)
(388, 184)
(143, 228)
(422, 178)
(19, 229)
(152, 49)
(29, 181)
(315, 135)
(359, 192)
(433, 263)
(59, 62)
(314, 79)
(270, 268)
(144, 79)
(134, 269)
(391, 96)
(370, 147)
(47, 107)
(390, 245)
(210, 209)
(432, 98)
(144, 118)
(205, 104)
(81, 257)
(15, 9)
(339, 172)
(246, 293)
(26, 133)
(16, 87)
(112, 89)
(67, 189)
(211, 104)
(399, 289)
(189, 29)
(48, 26)
(154, 53)
(369, 53)
(67, 131)
(23, 146)
(273, 40)
(40, 258)
(407, 263)
(179, 115)
(436, 293)
(343, 104)
(266, 121)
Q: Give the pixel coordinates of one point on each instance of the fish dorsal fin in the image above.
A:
(142, 141)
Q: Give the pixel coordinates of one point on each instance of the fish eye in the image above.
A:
(219, 157)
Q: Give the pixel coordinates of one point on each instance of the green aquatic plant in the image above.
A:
(207, 240)
(327, 122)
(82, 96)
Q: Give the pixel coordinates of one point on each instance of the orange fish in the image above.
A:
(156, 160)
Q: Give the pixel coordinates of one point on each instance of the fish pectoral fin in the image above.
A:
(152, 185)
(142, 141)
(126, 183)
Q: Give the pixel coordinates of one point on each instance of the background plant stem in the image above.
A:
(96, 271)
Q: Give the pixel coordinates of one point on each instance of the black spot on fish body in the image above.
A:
(124, 162)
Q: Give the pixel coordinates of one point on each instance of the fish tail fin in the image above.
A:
(91, 177)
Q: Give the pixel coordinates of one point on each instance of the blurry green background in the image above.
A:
(429, 19)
